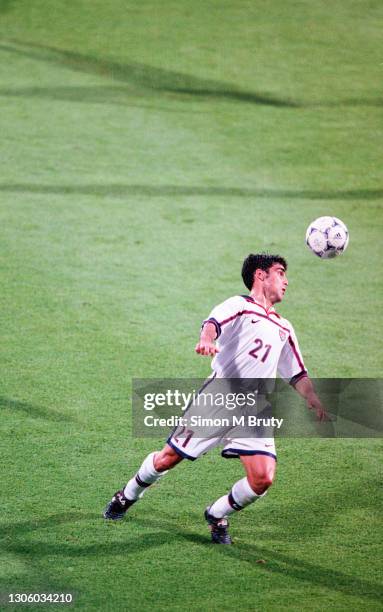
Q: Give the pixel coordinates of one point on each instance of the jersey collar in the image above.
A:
(268, 311)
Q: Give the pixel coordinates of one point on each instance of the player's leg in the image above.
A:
(260, 471)
(259, 460)
(154, 466)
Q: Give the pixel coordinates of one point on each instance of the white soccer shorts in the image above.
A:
(191, 448)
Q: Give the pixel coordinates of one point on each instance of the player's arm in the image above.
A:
(206, 344)
(223, 315)
(304, 386)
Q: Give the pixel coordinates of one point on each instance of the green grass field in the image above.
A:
(147, 148)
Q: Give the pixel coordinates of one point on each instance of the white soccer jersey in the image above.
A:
(254, 342)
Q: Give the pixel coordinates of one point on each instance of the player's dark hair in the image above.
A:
(259, 261)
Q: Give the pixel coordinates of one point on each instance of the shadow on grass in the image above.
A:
(350, 102)
(122, 95)
(147, 78)
(36, 412)
(23, 527)
(120, 190)
(117, 95)
(142, 75)
(318, 576)
(277, 562)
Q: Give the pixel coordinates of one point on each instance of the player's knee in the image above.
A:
(166, 459)
(260, 483)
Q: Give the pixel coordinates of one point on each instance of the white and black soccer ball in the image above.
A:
(327, 237)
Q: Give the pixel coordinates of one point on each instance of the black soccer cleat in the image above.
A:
(219, 528)
(118, 506)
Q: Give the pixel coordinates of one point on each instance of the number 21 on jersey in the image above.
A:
(261, 351)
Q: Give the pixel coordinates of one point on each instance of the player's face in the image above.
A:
(276, 283)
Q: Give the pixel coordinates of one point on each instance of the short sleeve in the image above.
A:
(290, 365)
(224, 315)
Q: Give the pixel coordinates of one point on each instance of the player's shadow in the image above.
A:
(151, 191)
(36, 412)
(163, 529)
(143, 76)
(280, 563)
(304, 571)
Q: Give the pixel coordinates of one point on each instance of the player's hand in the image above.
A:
(314, 403)
(205, 347)
(305, 388)
(322, 414)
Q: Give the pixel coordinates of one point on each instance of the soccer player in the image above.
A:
(249, 340)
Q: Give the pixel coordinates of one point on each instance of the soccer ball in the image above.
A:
(327, 237)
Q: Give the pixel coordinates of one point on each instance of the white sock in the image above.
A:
(241, 495)
(145, 476)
